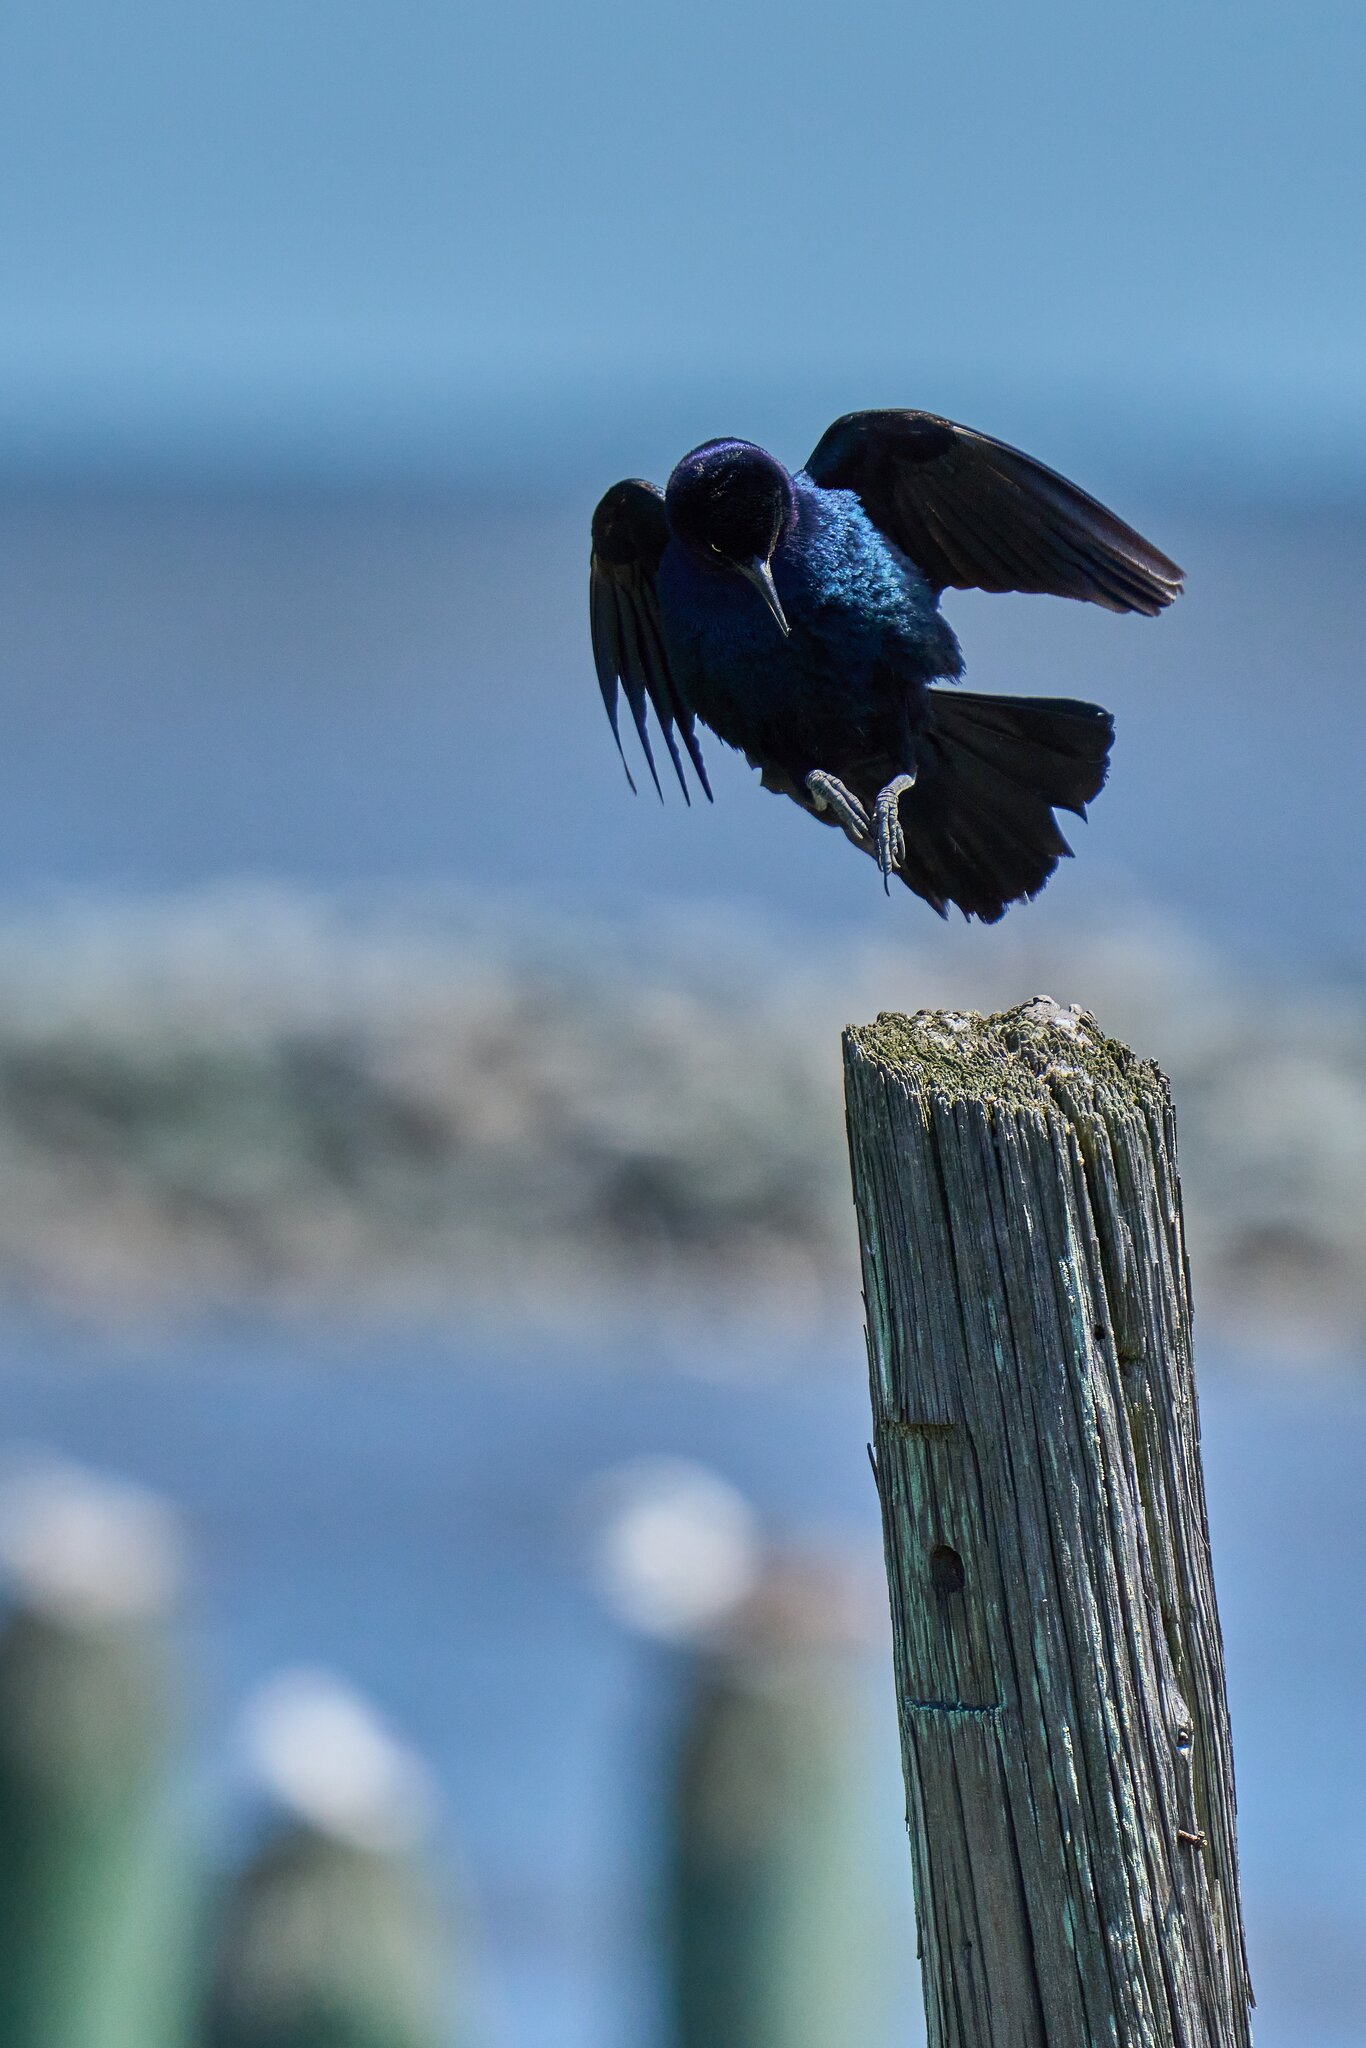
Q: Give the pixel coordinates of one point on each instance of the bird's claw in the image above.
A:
(891, 840)
(828, 793)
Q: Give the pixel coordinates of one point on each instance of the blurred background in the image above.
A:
(429, 1331)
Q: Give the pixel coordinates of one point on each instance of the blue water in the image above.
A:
(393, 690)
(405, 1512)
(388, 692)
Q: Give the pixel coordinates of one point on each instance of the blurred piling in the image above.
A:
(1058, 1661)
(772, 1917)
(330, 1937)
(91, 1927)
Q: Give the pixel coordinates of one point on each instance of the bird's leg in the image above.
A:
(827, 793)
(891, 840)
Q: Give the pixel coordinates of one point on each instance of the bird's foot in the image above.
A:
(891, 840)
(827, 793)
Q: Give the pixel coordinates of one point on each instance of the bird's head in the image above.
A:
(731, 503)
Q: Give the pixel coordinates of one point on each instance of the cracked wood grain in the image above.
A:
(1058, 1662)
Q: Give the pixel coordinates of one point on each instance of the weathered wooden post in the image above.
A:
(1058, 1662)
(330, 1937)
(771, 1893)
(93, 1898)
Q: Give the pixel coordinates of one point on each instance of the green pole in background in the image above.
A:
(91, 1910)
(330, 1937)
(772, 1884)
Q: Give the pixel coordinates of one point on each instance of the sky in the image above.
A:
(280, 232)
(536, 244)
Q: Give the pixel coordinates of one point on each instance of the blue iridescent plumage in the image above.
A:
(798, 617)
(856, 607)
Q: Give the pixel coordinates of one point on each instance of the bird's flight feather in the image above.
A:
(977, 828)
(972, 513)
(630, 533)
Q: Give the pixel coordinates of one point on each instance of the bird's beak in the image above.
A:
(760, 574)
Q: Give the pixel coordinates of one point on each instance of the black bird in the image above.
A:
(798, 617)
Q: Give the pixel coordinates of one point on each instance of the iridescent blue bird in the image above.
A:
(798, 617)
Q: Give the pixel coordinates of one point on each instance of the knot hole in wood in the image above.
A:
(948, 1573)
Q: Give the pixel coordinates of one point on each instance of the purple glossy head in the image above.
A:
(730, 503)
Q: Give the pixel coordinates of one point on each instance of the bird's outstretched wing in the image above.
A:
(972, 513)
(630, 533)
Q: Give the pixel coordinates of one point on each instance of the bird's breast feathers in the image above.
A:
(854, 603)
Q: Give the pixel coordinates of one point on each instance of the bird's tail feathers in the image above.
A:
(979, 825)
